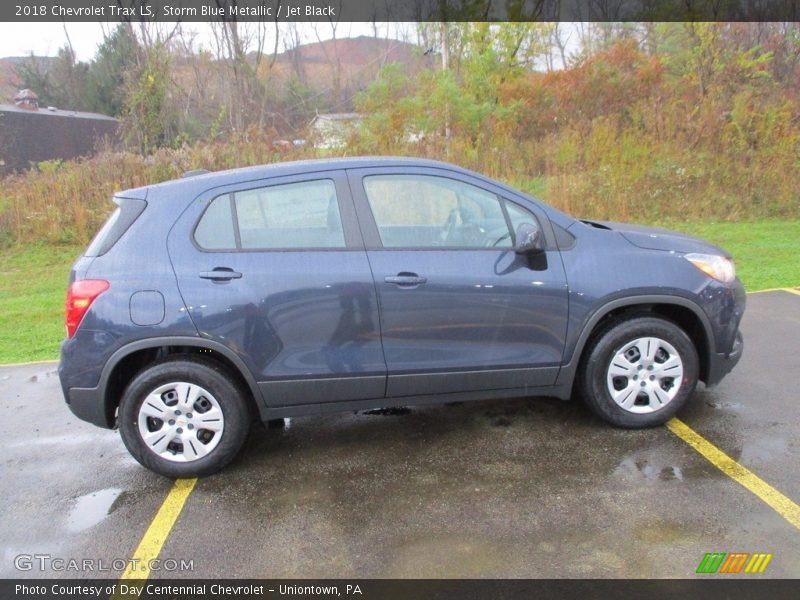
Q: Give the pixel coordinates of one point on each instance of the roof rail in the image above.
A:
(195, 173)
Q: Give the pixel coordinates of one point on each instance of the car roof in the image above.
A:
(279, 169)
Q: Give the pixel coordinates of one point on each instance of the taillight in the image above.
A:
(80, 296)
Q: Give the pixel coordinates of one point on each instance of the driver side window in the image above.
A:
(425, 211)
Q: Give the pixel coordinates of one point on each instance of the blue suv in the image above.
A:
(319, 286)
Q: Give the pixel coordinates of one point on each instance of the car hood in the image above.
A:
(653, 238)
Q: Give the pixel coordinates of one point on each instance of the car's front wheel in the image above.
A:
(184, 417)
(638, 372)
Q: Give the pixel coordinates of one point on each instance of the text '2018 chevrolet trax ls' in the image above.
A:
(312, 287)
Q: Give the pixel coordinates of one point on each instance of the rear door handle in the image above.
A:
(220, 274)
(406, 279)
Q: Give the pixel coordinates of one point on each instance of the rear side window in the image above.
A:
(128, 210)
(303, 215)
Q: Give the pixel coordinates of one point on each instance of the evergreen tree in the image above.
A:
(106, 77)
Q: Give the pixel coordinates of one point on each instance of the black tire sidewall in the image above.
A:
(207, 375)
(595, 370)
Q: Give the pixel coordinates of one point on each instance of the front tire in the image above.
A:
(638, 372)
(184, 417)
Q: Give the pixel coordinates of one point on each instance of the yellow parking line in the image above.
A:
(156, 534)
(791, 291)
(782, 505)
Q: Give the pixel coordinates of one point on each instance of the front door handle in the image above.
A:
(220, 274)
(406, 279)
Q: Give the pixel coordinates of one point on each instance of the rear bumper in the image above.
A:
(80, 380)
(87, 404)
(722, 364)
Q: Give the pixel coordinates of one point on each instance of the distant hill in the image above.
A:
(358, 61)
(355, 52)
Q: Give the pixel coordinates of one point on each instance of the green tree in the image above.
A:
(105, 79)
(463, 103)
(148, 115)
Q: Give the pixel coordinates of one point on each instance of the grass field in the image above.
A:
(766, 252)
(33, 284)
(33, 280)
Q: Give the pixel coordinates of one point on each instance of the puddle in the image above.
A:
(92, 508)
(632, 468)
(393, 411)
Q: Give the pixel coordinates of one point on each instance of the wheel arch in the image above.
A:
(132, 358)
(683, 312)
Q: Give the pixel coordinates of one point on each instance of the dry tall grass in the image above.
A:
(65, 202)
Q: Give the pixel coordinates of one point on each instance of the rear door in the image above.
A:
(276, 270)
(460, 311)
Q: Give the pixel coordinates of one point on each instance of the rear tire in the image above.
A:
(638, 372)
(184, 417)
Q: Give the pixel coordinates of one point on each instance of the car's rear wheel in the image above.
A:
(184, 417)
(638, 372)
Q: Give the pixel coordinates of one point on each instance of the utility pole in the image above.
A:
(445, 68)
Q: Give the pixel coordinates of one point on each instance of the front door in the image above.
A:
(460, 310)
(276, 270)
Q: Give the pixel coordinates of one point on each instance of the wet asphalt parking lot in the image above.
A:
(522, 488)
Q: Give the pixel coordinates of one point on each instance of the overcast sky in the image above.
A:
(44, 39)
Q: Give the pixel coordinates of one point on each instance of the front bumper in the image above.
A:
(722, 364)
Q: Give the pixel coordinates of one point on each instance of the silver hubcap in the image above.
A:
(181, 422)
(645, 375)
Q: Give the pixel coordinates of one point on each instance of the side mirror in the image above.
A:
(529, 239)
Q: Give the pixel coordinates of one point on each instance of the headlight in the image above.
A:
(720, 268)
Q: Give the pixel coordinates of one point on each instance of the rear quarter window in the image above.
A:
(128, 210)
(303, 215)
(215, 229)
